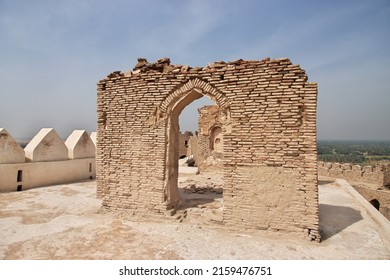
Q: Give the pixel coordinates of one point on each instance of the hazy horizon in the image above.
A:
(53, 53)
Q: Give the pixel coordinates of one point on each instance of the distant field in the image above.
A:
(358, 152)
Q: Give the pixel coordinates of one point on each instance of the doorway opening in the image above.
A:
(193, 193)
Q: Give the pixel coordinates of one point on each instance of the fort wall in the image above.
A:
(46, 160)
(379, 198)
(372, 182)
(378, 175)
(192, 149)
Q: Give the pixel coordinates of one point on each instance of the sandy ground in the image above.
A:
(64, 222)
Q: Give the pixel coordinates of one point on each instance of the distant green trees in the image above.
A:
(362, 152)
(342, 158)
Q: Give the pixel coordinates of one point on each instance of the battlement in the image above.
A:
(46, 160)
(378, 174)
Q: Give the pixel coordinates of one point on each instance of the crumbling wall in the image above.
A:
(192, 149)
(184, 139)
(378, 175)
(210, 144)
(269, 144)
(379, 194)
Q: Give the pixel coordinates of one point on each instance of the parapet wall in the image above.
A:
(46, 160)
(378, 175)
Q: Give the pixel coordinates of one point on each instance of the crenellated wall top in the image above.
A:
(46, 145)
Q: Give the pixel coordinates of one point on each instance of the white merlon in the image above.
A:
(46, 146)
(80, 145)
(93, 137)
(10, 150)
(45, 160)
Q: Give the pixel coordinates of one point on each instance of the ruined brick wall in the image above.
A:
(378, 175)
(192, 149)
(385, 167)
(184, 139)
(210, 153)
(269, 130)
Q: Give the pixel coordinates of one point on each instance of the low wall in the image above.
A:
(46, 160)
(382, 196)
(378, 175)
(38, 174)
(383, 224)
(368, 181)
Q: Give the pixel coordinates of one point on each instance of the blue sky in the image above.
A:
(52, 54)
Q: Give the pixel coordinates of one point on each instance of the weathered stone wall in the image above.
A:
(209, 124)
(378, 175)
(269, 146)
(192, 149)
(184, 139)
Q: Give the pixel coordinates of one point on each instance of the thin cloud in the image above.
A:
(54, 52)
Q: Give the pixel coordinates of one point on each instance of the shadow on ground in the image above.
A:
(334, 219)
(190, 199)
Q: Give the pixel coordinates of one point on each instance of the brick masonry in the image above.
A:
(268, 118)
(184, 139)
(378, 175)
(210, 138)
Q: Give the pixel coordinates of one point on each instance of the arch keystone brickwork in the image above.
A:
(198, 85)
(269, 140)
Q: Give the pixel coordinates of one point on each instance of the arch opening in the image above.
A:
(173, 197)
(375, 203)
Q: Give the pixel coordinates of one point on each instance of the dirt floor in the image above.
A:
(64, 222)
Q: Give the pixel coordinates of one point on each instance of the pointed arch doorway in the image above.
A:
(170, 110)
